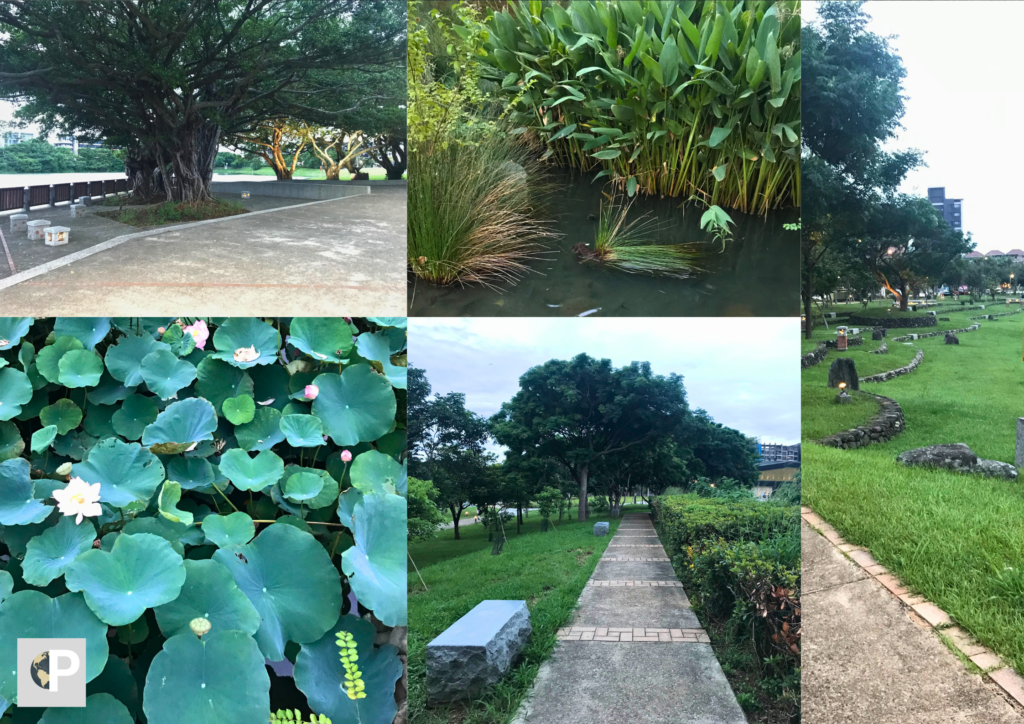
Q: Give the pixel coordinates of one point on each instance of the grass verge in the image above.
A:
(547, 570)
(173, 213)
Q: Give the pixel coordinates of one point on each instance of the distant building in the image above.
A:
(770, 452)
(772, 475)
(1017, 254)
(949, 208)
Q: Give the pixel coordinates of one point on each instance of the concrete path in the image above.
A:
(331, 258)
(634, 651)
(868, 659)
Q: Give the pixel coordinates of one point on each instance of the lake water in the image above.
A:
(756, 275)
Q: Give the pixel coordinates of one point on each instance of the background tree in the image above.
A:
(718, 451)
(579, 411)
(168, 80)
(423, 514)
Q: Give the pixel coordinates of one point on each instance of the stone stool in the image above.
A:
(18, 222)
(77, 210)
(601, 528)
(57, 235)
(36, 229)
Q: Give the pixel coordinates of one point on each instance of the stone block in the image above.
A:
(952, 338)
(843, 370)
(601, 528)
(1019, 459)
(19, 222)
(37, 228)
(474, 653)
(77, 210)
(57, 235)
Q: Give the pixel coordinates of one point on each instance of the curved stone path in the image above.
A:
(634, 650)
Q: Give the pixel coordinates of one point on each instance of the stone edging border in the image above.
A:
(993, 316)
(883, 348)
(892, 374)
(886, 424)
(1005, 677)
(812, 358)
(912, 337)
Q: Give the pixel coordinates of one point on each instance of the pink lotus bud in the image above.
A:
(346, 456)
(311, 392)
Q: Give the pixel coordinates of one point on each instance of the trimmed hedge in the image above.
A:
(686, 521)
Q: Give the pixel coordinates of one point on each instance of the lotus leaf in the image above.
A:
(15, 391)
(48, 554)
(302, 486)
(225, 531)
(165, 374)
(141, 571)
(167, 502)
(133, 416)
(239, 410)
(375, 472)
(11, 444)
(289, 578)
(377, 347)
(247, 473)
(48, 359)
(124, 360)
(99, 420)
(263, 432)
(328, 339)
(303, 430)
(109, 391)
(211, 593)
(80, 368)
(117, 680)
(63, 413)
(191, 473)
(87, 330)
(328, 493)
(98, 709)
(216, 380)
(42, 438)
(357, 405)
(241, 333)
(18, 505)
(127, 472)
(183, 423)
(12, 329)
(376, 565)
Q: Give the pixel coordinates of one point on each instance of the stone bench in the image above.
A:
(77, 210)
(37, 228)
(600, 528)
(476, 651)
(19, 222)
(57, 235)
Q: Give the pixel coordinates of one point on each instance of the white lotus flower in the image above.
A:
(79, 498)
(246, 354)
(64, 469)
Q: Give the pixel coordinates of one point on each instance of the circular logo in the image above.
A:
(41, 670)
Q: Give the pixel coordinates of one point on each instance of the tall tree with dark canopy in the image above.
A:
(582, 410)
(167, 79)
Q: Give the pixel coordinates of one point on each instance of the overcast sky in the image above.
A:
(744, 371)
(964, 108)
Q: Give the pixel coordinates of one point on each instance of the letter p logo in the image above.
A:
(51, 672)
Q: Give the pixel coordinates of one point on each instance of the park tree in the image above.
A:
(169, 80)
(852, 104)
(717, 451)
(579, 411)
(462, 477)
(423, 514)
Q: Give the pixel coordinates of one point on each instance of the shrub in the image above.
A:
(232, 474)
(549, 501)
(689, 521)
(424, 516)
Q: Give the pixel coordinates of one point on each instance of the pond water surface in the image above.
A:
(756, 275)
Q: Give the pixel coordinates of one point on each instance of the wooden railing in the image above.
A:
(23, 197)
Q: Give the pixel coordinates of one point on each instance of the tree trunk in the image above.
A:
(456, 516)
(192, 163)
(581, 515)
(808, 302)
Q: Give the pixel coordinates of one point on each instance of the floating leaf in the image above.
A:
(219, 679)
(303, 430)
(182, 423)
(225, 531)
(126, 472)
(167, 502)
(15, 391)
(63, 413)
(240, 333)
(209, 592)
(80, 368)
(328, 492)
(289, 578)
(12, 329)
(165, 374)
(319, 673)
(357, 405)
(247, 473)
(191, 473)
(49, 553)
(87, 330)
(375, 472)
(302, 486)
(141, 571)
(323, 338)
(134, 415)
(376, 564)
(377, 347)
(11, 444)
(124, 360)
(263, 432)
(48, 359)
(239, 410)
(18, 505)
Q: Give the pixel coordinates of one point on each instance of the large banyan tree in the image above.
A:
(166, 80)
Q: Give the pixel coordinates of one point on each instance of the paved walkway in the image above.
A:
(634, 651)
(330, 258)
(869, 659)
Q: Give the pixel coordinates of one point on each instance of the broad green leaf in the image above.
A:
(241, 333)
(608, 154)
(11, 444)
(167, 503)
(134, 415)
(124, 359)
(319, 673)
(302, 486)
(126, 472)
(357, 405)
(87, 330)
(631, 186)
(182, 423)
(377, 347)
(375, 472)
(42, 438)
(98, 420)
(669, 61)
(217, 381)
(109, 391)
(141, 571)
(12, 329)
(165, 374)
(80, 368)
(225, 531)
(289, 578)
(719, 171)
(247, 473)
(328, 493)
(50, 553)
(64, 413)
(34, 615)
(48, 359)
(653, 67)
(323, 338)
(561, 134)
(15, 391)
(18, 505)
(239, 410)
(209, 592)
(719, 134)
(98, 709)
(772, 59)
(219, 679)
(117, 680)
(263, 432)
(191, 473)
(303, 430)
(376, 564)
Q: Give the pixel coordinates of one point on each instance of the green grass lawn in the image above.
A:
(947, 536)
(547, 570)
(174, 213)
(376, 174)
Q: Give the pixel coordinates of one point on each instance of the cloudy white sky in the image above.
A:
(964, 107)
(744, 371)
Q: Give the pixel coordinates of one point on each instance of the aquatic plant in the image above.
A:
(668, 98)
(625, 244)
(717, 222)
